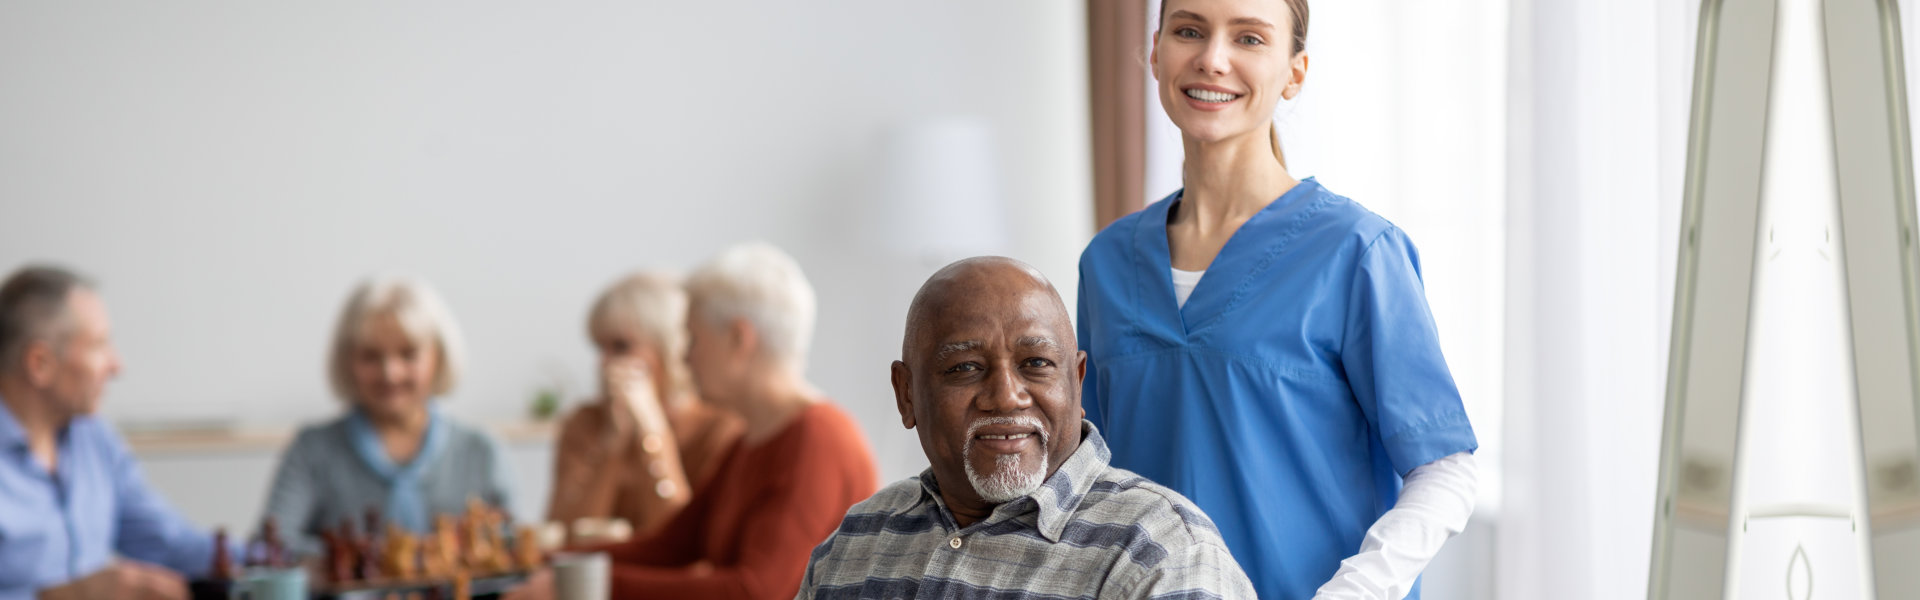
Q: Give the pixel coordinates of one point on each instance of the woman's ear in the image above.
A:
(1153, 55)
(1296, 76)
(746, 339)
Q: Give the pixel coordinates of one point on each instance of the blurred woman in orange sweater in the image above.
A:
(639, 450)
(785, 485)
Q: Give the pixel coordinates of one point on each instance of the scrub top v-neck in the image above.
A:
(1290, 392)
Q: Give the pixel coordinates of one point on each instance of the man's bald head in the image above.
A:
(969, 282)
(990, 377)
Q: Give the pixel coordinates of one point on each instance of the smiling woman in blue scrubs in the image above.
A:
(1263, 345)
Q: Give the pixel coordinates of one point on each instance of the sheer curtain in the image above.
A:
(1598, 101)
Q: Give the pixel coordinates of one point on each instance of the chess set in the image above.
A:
(478, 554)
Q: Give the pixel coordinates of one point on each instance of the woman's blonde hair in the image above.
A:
(421, 314)
(653, 306)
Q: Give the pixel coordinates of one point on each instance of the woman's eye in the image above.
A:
(1251, 40)
(1187, 32)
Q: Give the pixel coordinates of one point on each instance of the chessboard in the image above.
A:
(424, 589)
(477, 554)
(458, 552)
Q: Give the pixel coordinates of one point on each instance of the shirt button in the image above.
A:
(954, 543)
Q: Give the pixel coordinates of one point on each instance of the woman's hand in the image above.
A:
(632, 403)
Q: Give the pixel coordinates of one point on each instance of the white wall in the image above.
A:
(227, 171)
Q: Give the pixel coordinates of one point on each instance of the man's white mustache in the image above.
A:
(1020, 421)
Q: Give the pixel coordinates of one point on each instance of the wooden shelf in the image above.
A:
(213, 438)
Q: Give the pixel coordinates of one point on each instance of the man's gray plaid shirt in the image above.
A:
(1090, 531)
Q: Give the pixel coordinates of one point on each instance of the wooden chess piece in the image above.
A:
(480, 549)
(431, 564)
(276, 549)
(440, 554)
(401, 557)
(352, 550)
(222, 558)
(502, 559)
(448, 530)
(526, 548)
(339, 566)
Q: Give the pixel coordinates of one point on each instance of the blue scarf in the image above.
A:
(406, 501)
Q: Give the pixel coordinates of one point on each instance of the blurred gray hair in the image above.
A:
(421, 314)
(654, 307)
(759, 283)
(33, 302)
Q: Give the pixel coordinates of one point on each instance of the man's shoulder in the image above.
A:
(1122, 496)
(889, 512)
(890, 501)
(94, 432)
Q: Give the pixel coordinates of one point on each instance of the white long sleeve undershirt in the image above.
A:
(1434, 505)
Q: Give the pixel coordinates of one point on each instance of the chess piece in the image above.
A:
(502, 559)
(352, 549)
(276, 548)
(339, 567)
(526, 548)
(222, 559)
(399, 553)
(448, 530)
(480, 548)
(432, 560)
(372, 525)
(440, 554)
(372, 563)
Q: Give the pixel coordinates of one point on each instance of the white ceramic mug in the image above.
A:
(581, 576)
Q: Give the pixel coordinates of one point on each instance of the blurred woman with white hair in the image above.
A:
(639, 450)
(787, 482)
(395, 349)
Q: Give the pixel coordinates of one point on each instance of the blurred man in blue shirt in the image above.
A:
(77, 521)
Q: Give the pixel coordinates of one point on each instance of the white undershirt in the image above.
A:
(1183, 282)
(1434, 505)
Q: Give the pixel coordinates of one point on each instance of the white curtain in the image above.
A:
(1598, 109)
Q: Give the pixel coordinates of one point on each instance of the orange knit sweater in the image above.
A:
(748, 532)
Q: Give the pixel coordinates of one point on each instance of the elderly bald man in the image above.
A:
(1019, 499)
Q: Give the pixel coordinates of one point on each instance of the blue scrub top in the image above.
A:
(1300, 382)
